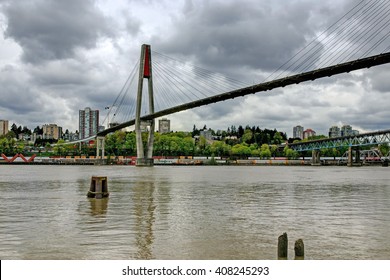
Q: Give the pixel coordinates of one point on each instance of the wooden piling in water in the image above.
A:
(98, 188)
(282, 247)
(299, 249)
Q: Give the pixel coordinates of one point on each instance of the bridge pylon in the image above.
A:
(144, 154)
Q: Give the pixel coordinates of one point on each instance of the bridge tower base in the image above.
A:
(315, 157)
(144, 155)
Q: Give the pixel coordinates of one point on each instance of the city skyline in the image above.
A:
(48, 80)
(164, 126)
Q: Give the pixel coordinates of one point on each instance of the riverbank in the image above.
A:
(186, 162)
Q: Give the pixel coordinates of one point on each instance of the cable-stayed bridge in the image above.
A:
(266, 86)
(358, 40)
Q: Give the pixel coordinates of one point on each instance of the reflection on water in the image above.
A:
(194, 212)
(98, 206)
(144, 207)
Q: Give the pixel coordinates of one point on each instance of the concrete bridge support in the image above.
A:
(100, 146)
(353, 160)
(315, 157)
(144, 154)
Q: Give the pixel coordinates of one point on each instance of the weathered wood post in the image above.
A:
(98, 188)
(282, 247)
(299, 249)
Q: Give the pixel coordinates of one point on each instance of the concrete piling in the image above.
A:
(98, 188)
(282, 247)
(299, 249)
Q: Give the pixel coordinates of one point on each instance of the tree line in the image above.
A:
(235, 142)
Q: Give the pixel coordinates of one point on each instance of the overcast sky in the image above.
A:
(57, 57)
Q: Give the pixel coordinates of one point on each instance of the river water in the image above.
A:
(196, 212)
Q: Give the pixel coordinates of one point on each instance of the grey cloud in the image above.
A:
(51, 29)
(233, 34)
(15, 93)
(379, 78)
(132, 24)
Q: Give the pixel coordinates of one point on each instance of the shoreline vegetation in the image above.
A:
(249, 146)
(177, 161)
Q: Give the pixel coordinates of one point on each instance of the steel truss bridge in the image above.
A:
(364, 139)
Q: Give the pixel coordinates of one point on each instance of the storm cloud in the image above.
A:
(57, 57)
(52, 30)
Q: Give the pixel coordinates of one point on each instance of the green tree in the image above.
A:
(255, 151)
(129, 145)
(277, 139)
(384, 149)
(265, 151)
(5, 146)
(290, 153)
(202, 143)
(188, 146)
(59, 148)
(274, 149)
(114, 143)
(220, 148)
(241, 150)
(247, 136)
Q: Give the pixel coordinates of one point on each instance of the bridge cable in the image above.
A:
(316, 39)
(338, 44)
(332, 42)
(329, 57)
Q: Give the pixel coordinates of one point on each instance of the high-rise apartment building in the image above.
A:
(164, 125)
(88, 122)
(334, 131)
(52, 131)
(346, 130)
(3, 127)
(298, 132)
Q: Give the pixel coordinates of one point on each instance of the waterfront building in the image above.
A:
(334, 131)
(71, 136)
(355, 132)
(3, 127)
(298, 132)
(308, 133)
(164, 125)
(345, 130)
(88, 122)
(52, 131)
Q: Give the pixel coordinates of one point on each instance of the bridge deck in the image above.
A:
(364, 139)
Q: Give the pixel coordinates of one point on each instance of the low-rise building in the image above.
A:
(52, 131)
(164, 125)
(308, 133)
(3, 127)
